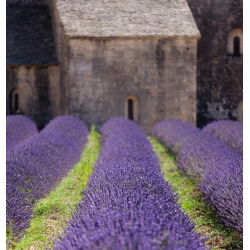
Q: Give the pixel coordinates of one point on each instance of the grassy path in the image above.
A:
(193, 204)
(52, 213)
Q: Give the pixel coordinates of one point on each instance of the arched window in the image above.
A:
(235, 43)
(131, 108)
(15, 101)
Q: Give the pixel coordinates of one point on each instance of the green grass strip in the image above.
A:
(193, 204)
(52, 213)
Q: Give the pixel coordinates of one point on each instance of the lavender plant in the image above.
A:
(201, 152)
(127, 204)
(18, 128)
(36, 166)
(173, 133)
(230, 132)
(223, 189)
(217, 166)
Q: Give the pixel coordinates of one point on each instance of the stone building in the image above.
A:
(138, 59)
(32, 65)
(220, 61)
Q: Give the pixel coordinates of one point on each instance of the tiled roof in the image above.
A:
(127, 18)
(30, 37)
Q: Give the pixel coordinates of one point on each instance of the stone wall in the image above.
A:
(161, 74)
(62, 55)
(97, 76)
(219, 78)
(38, 89)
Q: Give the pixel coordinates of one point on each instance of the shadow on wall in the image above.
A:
(240, 112)
(209, 112)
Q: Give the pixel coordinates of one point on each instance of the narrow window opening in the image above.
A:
(234, 43)
(130, 109)
(16, 102)
(237, 46)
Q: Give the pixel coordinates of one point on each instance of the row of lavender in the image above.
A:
(128, 204)
(218, 167)
(18, 128)
(37, 162)
(230, 132)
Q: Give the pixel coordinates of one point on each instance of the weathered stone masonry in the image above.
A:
(67, 57)
(219, 75)
(37, 87)
(160, 73)
(132, 53)
(32, 68)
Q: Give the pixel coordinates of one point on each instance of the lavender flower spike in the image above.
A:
(218, 167)
(18, 128)
(37, 165)
(128, 204)
(230, 132)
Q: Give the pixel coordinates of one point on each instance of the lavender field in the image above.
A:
(114, 178)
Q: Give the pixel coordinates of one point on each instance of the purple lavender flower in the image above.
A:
(18, 128)
(223, 189)
(173, 133)
(230, 132)
(128, 204)
(217, 166)
(38, 164)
